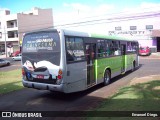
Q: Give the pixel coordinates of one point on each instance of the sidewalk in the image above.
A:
(152, 56)
(156, 54)
(145, 79)
(2, 56)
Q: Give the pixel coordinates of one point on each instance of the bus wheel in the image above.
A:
(133, 66)
(107, 77)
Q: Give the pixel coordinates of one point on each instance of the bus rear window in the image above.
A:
(41, 46)
(41, 42)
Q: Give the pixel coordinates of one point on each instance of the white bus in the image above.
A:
(70, 61)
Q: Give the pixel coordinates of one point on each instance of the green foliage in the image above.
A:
(139, 97)
(10, 81)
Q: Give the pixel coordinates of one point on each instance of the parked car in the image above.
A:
(2, 53)
(17, 57)
(15, 53)
(144, 50)
(4, 62)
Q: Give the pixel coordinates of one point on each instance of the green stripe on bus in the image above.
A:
(108, 37)
(114, 63)
(96, 73)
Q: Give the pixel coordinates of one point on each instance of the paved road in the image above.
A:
(14, 65)
(30, 99)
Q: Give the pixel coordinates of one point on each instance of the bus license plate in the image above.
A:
(40, 76)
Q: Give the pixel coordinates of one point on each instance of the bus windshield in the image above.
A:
(41, 46)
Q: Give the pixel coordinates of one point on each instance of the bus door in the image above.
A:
(90, 57)
(123, 49)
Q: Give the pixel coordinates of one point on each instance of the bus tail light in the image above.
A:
(23, 72)
(59, 77)
(59, 74)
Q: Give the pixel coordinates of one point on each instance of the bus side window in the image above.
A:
(69, 49)
(134, 47)
(117, 48)
(74, 49)
(101, 48)
(115, 45)
(108, 51)
(129, 47)
(112, 48)
(79, 49)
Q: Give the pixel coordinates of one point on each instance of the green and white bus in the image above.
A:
(71, 61)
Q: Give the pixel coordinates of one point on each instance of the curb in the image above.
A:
(144, 79)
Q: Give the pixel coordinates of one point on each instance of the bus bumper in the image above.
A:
(43, 86)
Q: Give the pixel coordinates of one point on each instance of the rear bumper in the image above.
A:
(43, 86)
(144, 53)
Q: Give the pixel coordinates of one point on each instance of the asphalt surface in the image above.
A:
(36, 100)
(14, 65)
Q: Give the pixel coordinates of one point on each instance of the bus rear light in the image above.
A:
(60, 72)
(23, 72)
(59, 77)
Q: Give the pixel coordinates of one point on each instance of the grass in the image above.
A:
(10, 81)
(139, 97)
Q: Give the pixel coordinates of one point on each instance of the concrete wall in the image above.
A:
(40, 19)
(28, 21)
(141, 34)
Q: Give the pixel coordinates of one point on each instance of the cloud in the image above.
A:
(1, 8)
(104, 9)
(66, 5)
(143, 7)
(77, 6)
(81, 12)
(82, 8)
(149, 5)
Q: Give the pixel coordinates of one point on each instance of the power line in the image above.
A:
(120, 17)
(101, 21)
(109, 20)
(147, 8)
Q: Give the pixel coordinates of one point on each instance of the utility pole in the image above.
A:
(5, 41)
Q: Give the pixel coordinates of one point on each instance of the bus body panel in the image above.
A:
(75, 33)
(42, 86)
(42, 59)
(129, 59)
(75, 72)
(114, 64)
(74, 75)
(62, 47)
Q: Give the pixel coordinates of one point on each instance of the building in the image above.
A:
(13, 26)
(144, 27)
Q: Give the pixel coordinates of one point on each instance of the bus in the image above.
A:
(71, 61)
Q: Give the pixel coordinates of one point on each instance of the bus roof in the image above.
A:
(84, 34)
(109, 37)
(94, 35)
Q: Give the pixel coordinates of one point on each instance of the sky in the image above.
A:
(75, 9)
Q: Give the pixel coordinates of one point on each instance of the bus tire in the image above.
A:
(107, 77)
(134, 66)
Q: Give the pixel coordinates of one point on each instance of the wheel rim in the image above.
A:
(106, 78)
